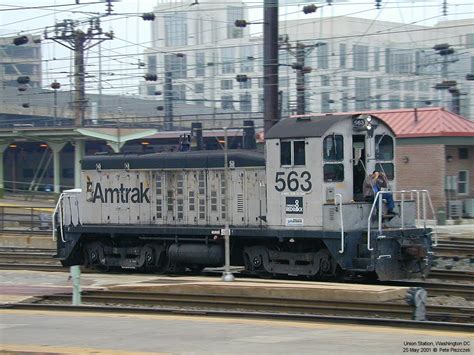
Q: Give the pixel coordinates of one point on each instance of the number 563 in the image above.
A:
(293, 181)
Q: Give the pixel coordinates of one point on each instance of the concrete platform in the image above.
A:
(27, 241)
(29, 332)
(317, 291)
(19, 285)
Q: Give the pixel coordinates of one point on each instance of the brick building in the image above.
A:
(435, 151)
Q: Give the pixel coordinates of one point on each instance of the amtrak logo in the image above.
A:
(294, 205)
(121, 194)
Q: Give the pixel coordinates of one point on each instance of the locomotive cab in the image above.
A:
(314, 161)
(316, 167)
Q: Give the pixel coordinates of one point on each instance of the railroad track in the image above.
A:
(42, 260)
(264, 304)
(383, 314)
(452, 275)
(462, 247)
(35, 256)
(439, 288)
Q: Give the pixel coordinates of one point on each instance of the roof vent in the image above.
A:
(303, 118)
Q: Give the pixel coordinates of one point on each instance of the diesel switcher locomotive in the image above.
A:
(298, 209)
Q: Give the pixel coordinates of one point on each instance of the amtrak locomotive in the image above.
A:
(297, 210)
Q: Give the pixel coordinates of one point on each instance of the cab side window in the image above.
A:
(285, 153)
(387, 169)
(333, 148)
(292, 153)
(383, 147)
(333, 155)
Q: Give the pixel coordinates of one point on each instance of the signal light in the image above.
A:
(151, 77)
(240, 23)
(454, 91)
(308, 9)
(55, 85)
(442, 46)
(23, 80)
(148, 16)
(447, 51)
(296, 66)
(18, 41)
(241, 78)
(445, 84)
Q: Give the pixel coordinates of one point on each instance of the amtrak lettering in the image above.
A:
(121, 195)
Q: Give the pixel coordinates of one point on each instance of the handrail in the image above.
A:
(59, 206)
(424, 194)
(341, 251)
(369, 220)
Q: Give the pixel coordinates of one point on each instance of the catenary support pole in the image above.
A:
(79, 148)
(227, 275)
(270, 63)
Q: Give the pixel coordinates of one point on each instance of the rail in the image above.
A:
(425, 195)
(341, 251)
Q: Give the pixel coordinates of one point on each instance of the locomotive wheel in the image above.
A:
(149, 258)
(327, 264)
(257, 261)
(92, 254)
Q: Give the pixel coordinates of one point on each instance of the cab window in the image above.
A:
(383, 147)
(299, 153)
(333, 172)
(285, 153)
(387, 168)
(292, 153)
(333, 148)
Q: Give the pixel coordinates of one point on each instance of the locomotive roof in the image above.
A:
(175, 160)
(307, 126)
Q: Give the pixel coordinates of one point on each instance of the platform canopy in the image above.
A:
(117, 137)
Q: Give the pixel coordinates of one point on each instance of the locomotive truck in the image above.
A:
(297, 209)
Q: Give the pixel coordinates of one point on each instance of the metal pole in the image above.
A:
(168, 101)
(55, 107)
(227, 275)
(300, 80)
(99, 103)
(76, 285)
(270, 63)
(79, 88)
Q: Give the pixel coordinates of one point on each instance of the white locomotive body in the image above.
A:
(300, 211)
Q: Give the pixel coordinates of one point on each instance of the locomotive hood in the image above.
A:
(174, 160)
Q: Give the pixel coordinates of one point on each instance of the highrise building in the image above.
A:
(357, 64)
(20, 60)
